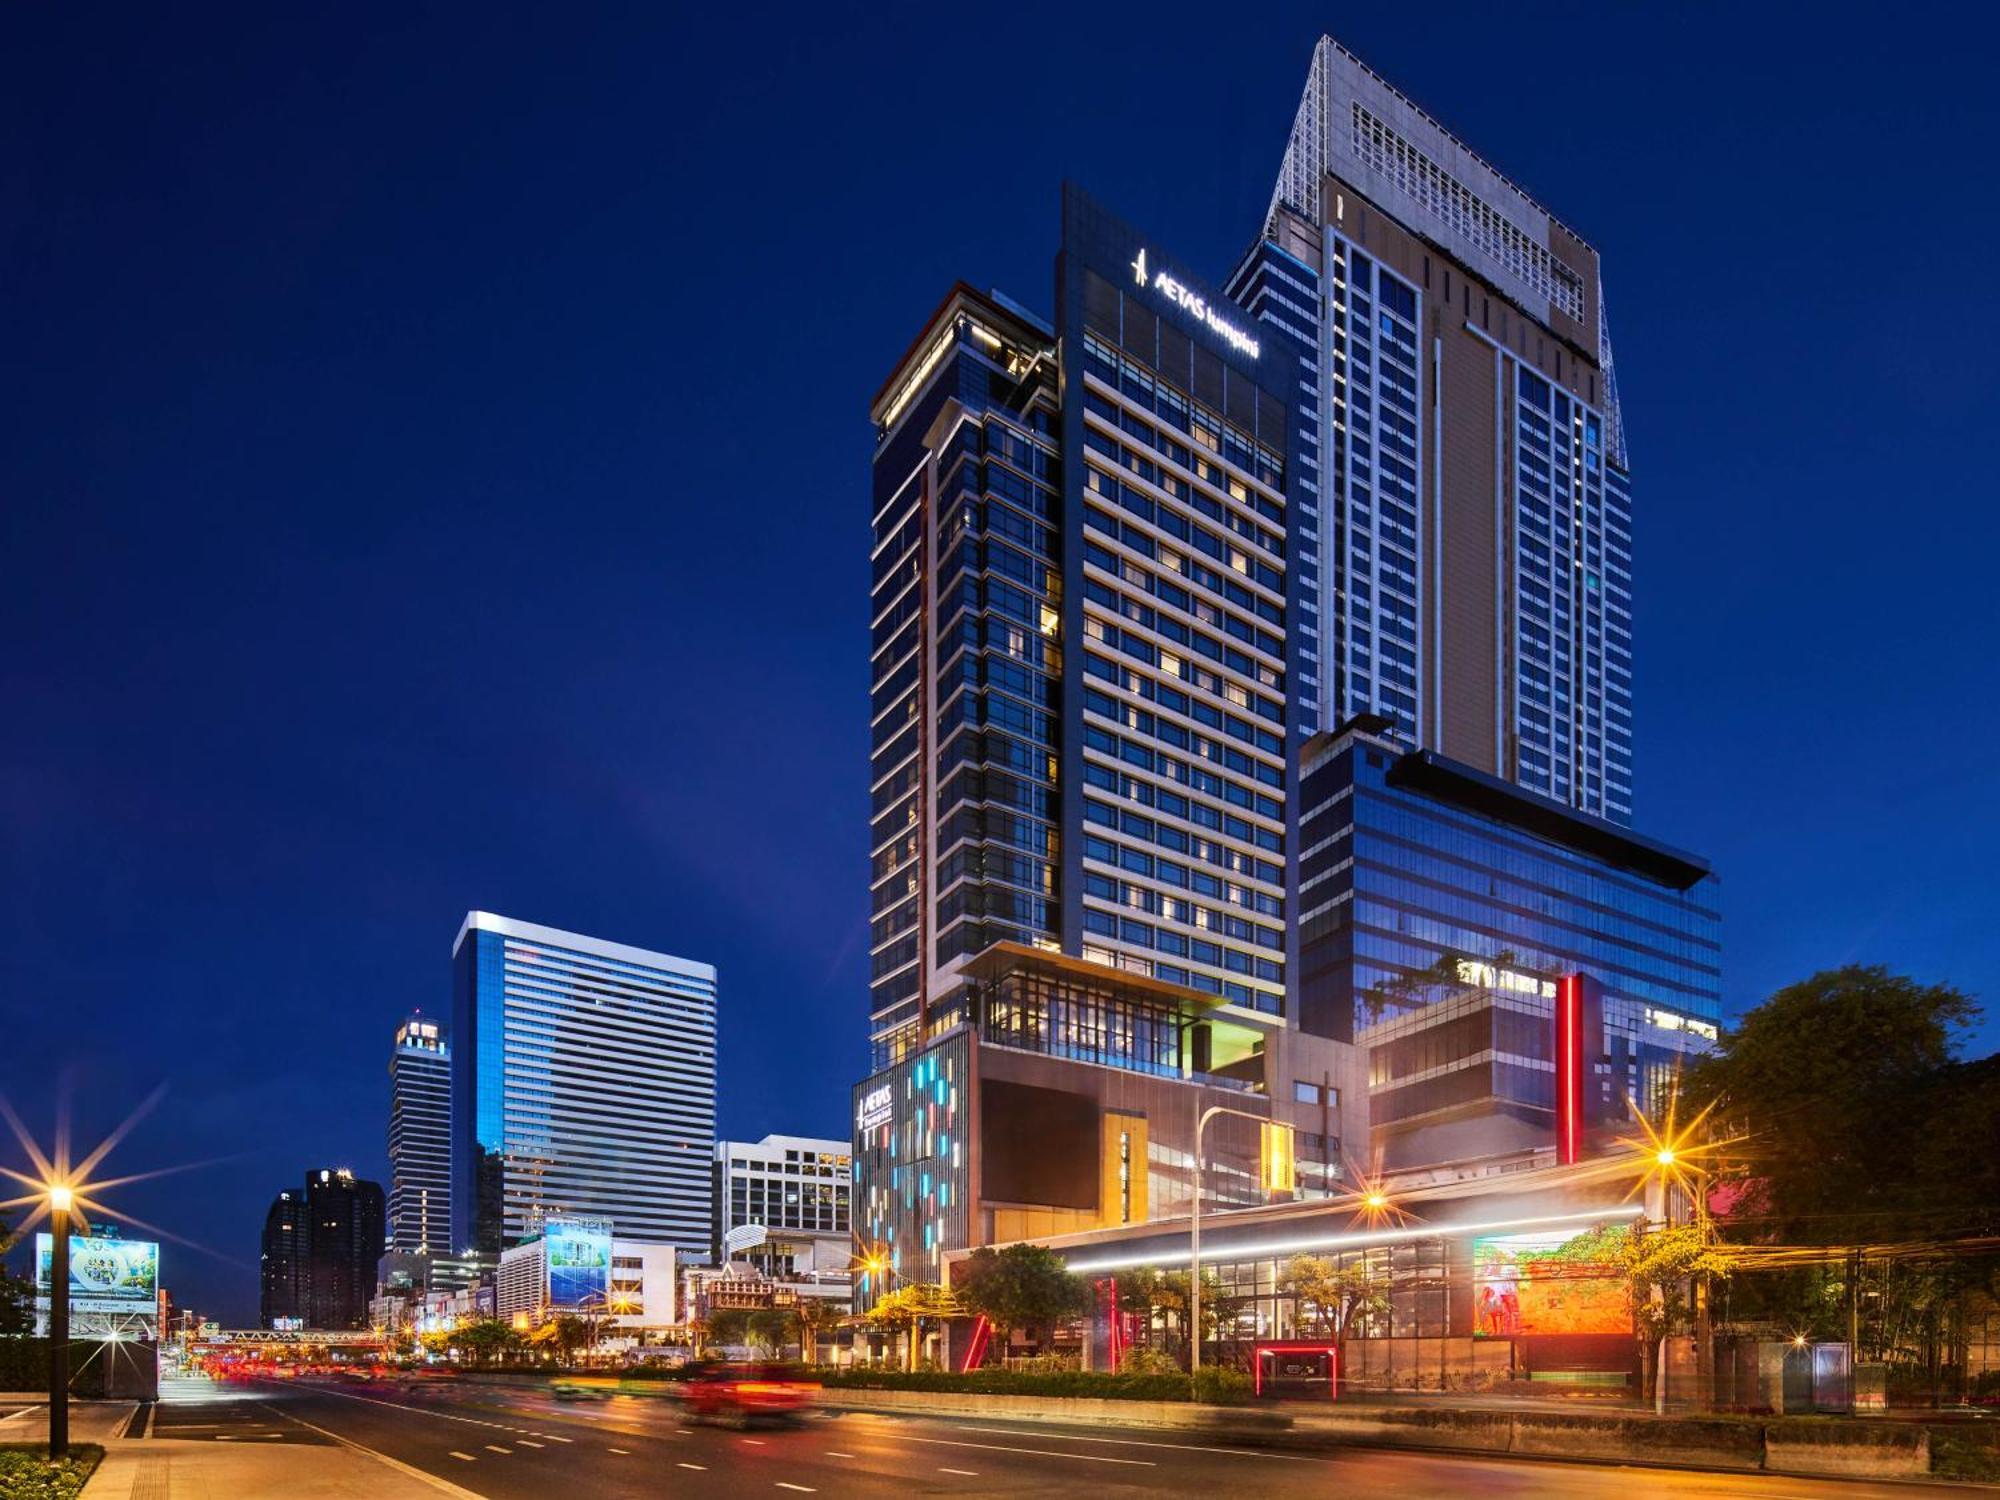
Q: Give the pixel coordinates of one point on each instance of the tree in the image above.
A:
(905, 1310)
(1022, 1286)
(1835, 1087)
(1856, 1123)
(729, 1325)
(814, 1316)
(486, 1339)
(1335, 1295)
(570, 1333)
(1661, 1268)
(17, 1293)
(769, 1328)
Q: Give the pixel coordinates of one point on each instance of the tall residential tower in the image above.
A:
(1469, 573)
(420, 1139)
(583, 1084)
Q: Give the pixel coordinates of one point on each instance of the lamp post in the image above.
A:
(60, 1201)
(1194, 1229)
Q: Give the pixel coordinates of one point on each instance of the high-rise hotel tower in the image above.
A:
(1083, 764)
(1082, 595)
(1464, 467)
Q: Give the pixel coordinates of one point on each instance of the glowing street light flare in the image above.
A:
(61, 1198)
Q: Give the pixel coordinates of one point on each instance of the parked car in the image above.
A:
(747, 1393)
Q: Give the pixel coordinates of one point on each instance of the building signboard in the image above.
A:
(105, 1275)
(1558, 1281)
(579, 1257)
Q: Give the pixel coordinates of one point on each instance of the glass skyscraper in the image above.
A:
(1465, 475)
(420, 1139)
(583, 1084)
(1441, 910)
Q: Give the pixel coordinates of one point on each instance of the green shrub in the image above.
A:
(1221, 1387)
(27, 1474)
(1120, 1387)
(1049, 1364)
(1146, 1360)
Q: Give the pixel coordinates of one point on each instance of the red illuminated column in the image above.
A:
(1569, 1050)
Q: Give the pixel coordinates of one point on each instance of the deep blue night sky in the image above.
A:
(435, 475)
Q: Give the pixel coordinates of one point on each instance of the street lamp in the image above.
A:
(1194, 1225)
(61, 1200)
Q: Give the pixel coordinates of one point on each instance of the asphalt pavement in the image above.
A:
(499, 1443)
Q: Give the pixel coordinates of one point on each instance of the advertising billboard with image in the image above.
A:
(579, 1252)
(1559, 1281)
(105, 1275)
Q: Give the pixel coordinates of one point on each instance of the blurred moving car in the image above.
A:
(747, 1393)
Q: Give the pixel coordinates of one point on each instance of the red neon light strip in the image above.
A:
(976, 1350)
(1569, 1067)
(1331, 1352)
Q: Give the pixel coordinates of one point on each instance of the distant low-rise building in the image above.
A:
(781, 1208)
(577, 1266)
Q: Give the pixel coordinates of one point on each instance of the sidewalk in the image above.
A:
(173, 1469)
(323, 1466)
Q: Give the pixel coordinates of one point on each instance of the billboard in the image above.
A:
(579, 1252)
(1551, 1281)
(105, 1275)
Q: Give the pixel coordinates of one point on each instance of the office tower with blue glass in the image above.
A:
(1447, 916)
(1083, 760)
(1465, 476)
(420, 1139)
(583, 1085)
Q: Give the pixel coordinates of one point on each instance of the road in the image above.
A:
(504, 1443)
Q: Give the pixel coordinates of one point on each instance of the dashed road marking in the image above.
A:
(626, 1451)
(968, 1473)
(803, 1489)
(699, 1468)
(1082, 1458)
(756, 1442)
(831, 1454)
(531, 1443)
(496, 1448)
(467, 1457)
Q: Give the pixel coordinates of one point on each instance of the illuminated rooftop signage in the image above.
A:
(1190, 301)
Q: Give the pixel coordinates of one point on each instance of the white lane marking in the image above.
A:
(1066, 1437)
(968, 1473)
(803, 1489)
(496, 1448)
(685, 1431)
(756, 1442)
(553, 1438)
(443, 1486)
(1082, 1458)
(626, 1451)
(531, 1443)
(699, 1468)
(831, 1454)
(469, 1458)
